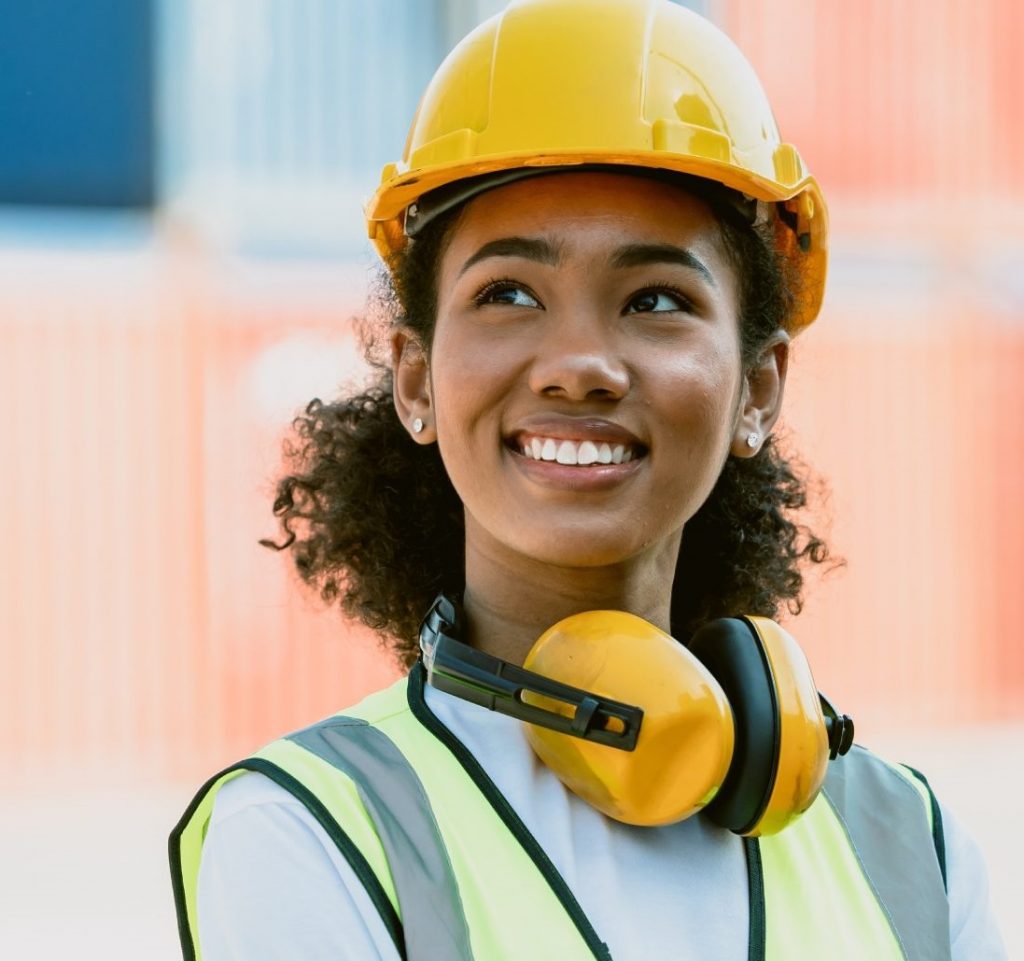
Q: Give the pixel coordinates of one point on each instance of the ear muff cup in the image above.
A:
(731, 650)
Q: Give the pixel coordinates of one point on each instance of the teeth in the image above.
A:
(576, 452)
(566, 452)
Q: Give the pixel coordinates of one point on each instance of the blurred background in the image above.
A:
(181, 256)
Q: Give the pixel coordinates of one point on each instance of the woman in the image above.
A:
(599, 250)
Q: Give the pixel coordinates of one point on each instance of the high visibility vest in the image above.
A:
(453, 871)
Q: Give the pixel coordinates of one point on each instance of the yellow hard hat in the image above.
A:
(637, 83)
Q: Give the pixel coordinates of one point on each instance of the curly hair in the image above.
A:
(374, 523)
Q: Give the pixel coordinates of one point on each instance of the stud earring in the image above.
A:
(417, 426)
(753, 439)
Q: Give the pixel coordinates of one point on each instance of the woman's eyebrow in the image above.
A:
(531, 248)
(632, 255)
(640, 255)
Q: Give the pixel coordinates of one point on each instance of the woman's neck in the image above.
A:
(511, 600)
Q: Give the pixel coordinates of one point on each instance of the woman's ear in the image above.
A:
(411, 378)
(763, 386)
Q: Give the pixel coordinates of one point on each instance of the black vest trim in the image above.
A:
(755, 884)
(938, 834)
(360, 866)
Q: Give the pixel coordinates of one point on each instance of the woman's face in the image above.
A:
(584, 383)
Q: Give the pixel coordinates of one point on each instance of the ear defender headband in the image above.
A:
(649, 731)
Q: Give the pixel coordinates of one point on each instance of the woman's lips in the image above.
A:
(595, 476)
(574, 453)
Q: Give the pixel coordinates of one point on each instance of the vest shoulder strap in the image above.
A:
(433, 919)
(429, 827)
(891, 829)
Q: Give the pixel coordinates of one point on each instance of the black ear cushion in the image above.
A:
(731, 650)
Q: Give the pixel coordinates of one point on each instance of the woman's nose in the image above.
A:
(577, 359)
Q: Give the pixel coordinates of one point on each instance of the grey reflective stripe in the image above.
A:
(432, 916)
(886, 822)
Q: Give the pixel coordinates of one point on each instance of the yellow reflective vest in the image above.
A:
(453, 871)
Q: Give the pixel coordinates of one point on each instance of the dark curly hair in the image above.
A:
(373, 521)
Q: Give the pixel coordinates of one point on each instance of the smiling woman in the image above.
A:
(563, 506)
(582, 339)
(387, 534)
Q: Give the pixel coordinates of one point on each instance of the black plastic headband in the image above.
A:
(442, 199)
(461, 670)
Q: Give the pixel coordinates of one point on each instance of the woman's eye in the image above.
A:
(506, 293)
(657, 301)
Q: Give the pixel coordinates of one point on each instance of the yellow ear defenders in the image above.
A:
(649, 731)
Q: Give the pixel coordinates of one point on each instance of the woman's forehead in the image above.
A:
(588, 214)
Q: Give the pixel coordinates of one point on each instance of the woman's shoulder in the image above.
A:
(277, 782)
(249, 792)
(974, 933)
(973, 930)
(267, 862)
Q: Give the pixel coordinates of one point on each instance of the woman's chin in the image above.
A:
(571, 548)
